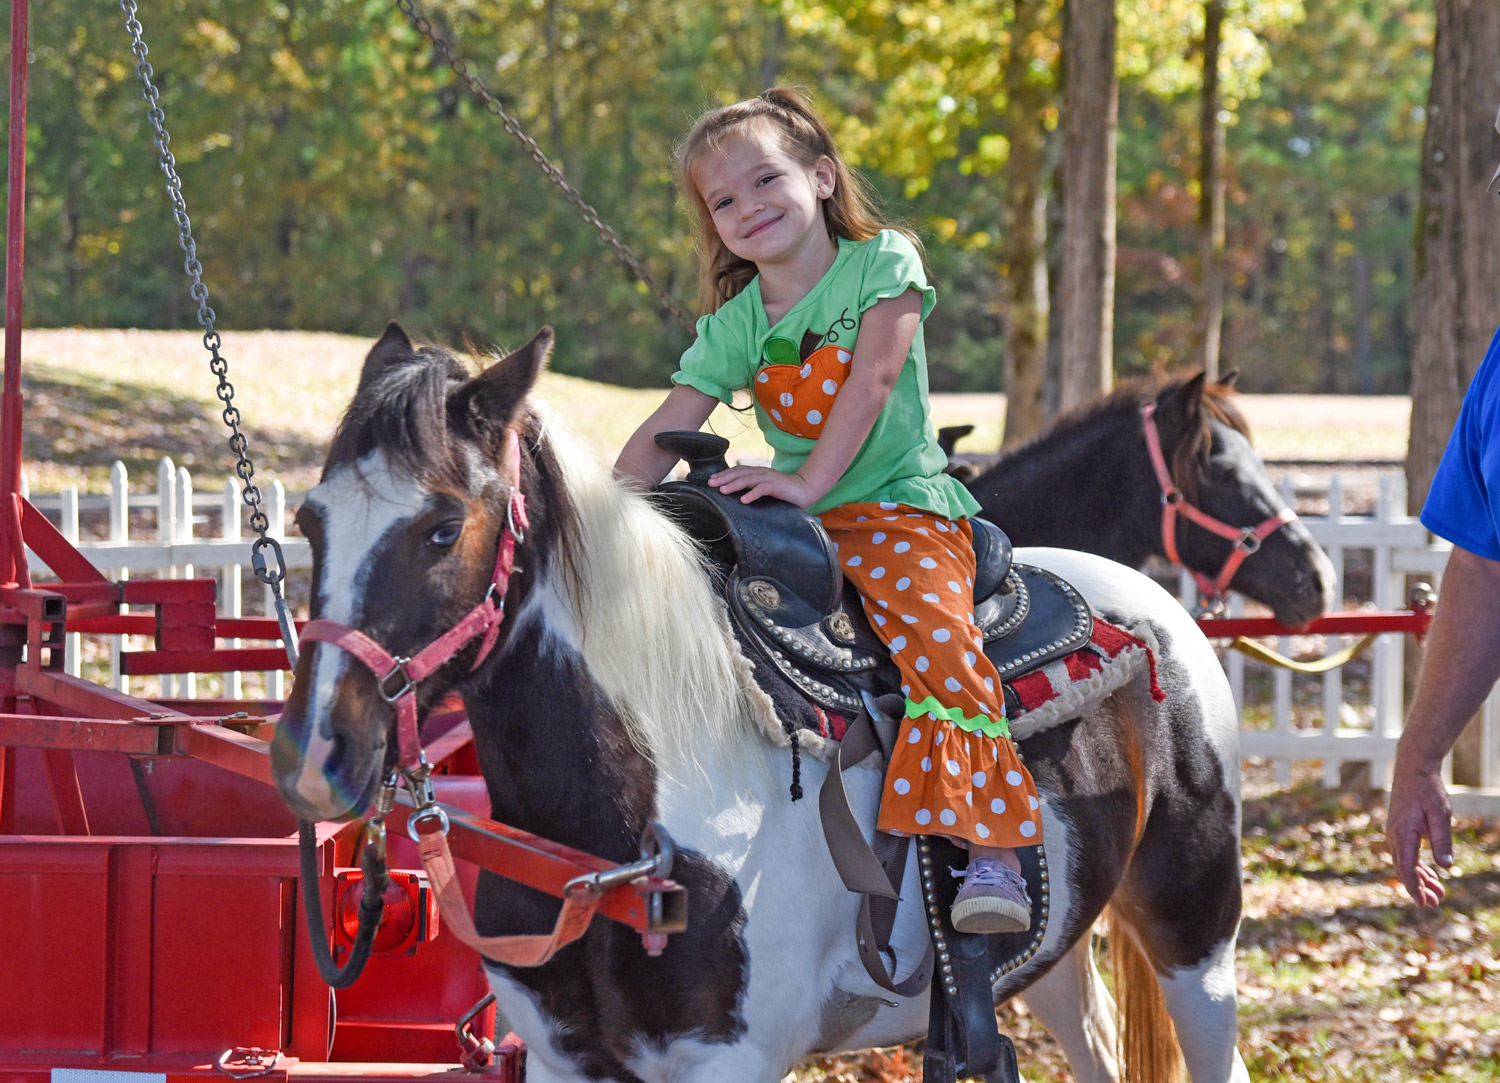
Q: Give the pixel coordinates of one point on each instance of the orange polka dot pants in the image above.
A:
(954, 770)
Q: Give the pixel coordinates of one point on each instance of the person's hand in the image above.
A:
(1419, 809)
(758, 481)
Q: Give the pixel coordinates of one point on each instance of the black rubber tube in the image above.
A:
(371, 907)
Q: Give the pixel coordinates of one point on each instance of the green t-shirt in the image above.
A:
(737, 348)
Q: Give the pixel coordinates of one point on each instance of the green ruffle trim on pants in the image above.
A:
(980, 723)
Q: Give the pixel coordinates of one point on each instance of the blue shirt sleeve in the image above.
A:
(1461, 504)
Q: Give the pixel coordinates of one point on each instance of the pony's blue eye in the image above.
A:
(446, 534)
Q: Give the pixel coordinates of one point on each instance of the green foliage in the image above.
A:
(338, 174)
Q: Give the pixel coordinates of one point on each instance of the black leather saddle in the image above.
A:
(793, 609)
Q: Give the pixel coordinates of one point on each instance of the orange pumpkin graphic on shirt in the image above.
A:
(797, 393)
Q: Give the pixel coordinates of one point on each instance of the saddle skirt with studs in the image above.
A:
(797, 615)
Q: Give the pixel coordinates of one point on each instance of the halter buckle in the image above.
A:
(510, 521)
(419, 783)
(1249, 541)
(407, 684)
(1172, 497)
(1210, 605)
(415, 821)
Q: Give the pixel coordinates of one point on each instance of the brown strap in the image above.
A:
(873, 873)
(858, 866)
(534, 950)
(877, 917)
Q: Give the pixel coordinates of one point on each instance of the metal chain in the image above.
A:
(461, 68)
(238, 443)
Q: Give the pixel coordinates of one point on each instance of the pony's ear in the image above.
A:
(491, 400)
(393, 346)
(1228, 379)
(1183, 403)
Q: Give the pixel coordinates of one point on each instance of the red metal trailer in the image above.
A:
(149, 873)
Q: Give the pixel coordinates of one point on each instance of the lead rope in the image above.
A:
(373, 859)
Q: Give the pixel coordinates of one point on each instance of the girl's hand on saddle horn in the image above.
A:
(758, 481)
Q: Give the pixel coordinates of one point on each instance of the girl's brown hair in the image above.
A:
(849, 212)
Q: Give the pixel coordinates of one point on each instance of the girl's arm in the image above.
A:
(886, 332)
(641, 461)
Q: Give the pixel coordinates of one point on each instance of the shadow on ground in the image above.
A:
(91, 425)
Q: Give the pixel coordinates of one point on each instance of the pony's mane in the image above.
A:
(403, 410)
(654, 634)
(1128, 397)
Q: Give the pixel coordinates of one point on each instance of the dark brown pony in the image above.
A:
(1088, 483)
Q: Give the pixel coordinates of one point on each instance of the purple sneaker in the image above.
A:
(993, 899)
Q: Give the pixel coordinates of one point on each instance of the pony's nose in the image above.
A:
(338, 752)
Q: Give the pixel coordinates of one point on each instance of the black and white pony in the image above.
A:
(617, 695)
(1089, 483)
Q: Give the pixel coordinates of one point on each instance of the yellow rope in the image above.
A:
(1317, 665)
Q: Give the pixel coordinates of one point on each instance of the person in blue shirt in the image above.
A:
(1462, 658)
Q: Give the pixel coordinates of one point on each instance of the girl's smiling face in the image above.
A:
(766, 206)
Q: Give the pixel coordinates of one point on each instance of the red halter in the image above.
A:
(1246, 539)
(397, 678)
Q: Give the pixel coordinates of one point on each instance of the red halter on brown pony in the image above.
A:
(1247, 540)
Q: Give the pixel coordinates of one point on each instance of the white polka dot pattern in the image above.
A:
(972, 783)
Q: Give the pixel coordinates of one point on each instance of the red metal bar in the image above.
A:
(545, 865)
(67, 794)
(144, 624)
(15, 269)
(167, 591)
(81, 734)
(225, 748)
(7, 789)
(1359, 622)
(58, 691)
(56, 551)
(32, 604)
(13, 567)
(229, 659)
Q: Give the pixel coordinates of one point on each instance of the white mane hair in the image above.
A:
(654, 634)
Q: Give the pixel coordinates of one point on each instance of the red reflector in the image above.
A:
(409, 919)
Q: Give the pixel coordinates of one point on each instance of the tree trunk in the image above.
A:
(1091, 106)
(1330, 359)
(1211, 196)
(1364, 363)
(1458, 230)
(1025, 280)
(1457, 250)
(775, 45)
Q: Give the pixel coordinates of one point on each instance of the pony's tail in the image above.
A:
(1148, 1051)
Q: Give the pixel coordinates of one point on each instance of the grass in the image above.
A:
(93, 396)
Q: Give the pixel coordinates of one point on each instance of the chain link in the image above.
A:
(238, 443)
(460, 67)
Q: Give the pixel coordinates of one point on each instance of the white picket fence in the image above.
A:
(1334, 726)
(176, 551)
(1306, 718)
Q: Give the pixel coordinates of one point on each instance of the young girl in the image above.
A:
(818, 311)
